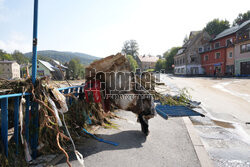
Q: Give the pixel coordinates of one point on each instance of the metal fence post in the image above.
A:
(16, 121)
(35, 131)
(34, 106)
(4, 124)
(70, 98)
(34, 57)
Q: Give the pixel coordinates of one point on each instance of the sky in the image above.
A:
(100, 27)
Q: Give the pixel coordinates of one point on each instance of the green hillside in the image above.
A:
(64, 57)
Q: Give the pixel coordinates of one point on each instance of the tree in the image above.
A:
(130, 48)
(132, 62)
(2, 53)
(160, 65)
(82, 71)
(169, 56)
(44, 58)
(160, 56)
(216, 26)
(19, 57)
(242, 18)
(6, 56)
(16, 56)
(126, 48)
(75, 69)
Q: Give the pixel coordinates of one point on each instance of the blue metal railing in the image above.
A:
(33, 139)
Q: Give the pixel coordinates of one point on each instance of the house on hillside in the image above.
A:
(147, 62)
(187, 61)
(242, 50)
(45, 69)
(219, 57)
(59, 66)
(9, 69)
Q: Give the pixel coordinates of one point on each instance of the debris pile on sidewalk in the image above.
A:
(57, 122)
(60, 124)
(53, 129)
(128, 90)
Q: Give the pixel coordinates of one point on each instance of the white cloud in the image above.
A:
(17, 41)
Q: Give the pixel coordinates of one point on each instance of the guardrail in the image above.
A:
(30, 138)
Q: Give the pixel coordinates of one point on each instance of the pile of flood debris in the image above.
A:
(110, 85)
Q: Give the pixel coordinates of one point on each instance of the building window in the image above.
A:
(208, 48)
(200, 49)
(217, 45)
(206, 58)
(245, 48)
(217, 55)
(229, 41)
(230, 54)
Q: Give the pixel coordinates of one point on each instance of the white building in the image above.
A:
(9, 69)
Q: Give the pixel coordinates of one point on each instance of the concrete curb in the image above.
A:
(198, 145)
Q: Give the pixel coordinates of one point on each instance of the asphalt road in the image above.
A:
(225, 99)
(226, 104)
(168, 144)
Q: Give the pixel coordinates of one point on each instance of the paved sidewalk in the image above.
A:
(168, 144)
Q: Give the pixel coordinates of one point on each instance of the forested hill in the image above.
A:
(64, 57)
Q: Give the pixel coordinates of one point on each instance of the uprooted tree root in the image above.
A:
(49, 129)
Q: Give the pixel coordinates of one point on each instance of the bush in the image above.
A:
(132, 62)
(150, 70)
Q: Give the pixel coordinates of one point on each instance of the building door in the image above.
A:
(245, 68)
(194, 70)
